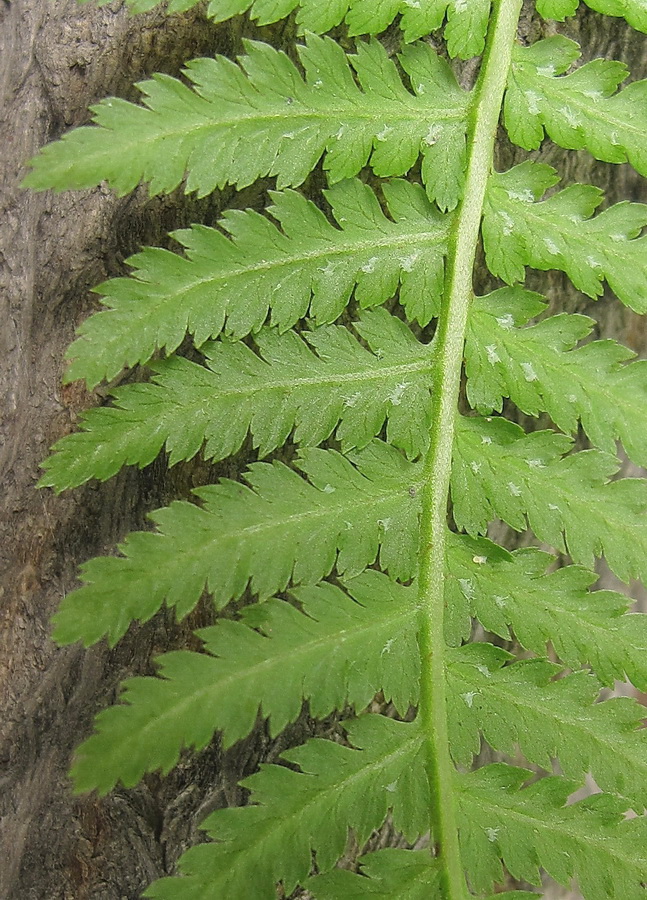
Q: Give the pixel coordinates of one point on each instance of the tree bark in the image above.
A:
(57, 59)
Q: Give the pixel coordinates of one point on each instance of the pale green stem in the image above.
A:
(437, 470)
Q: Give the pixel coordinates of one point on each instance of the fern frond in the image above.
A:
(534, 828)
(464, 32)
(314, 384)
(532, 365)
(307, 267)
(338, 788)
(341, 649)
(500, 472)
(339, 386)
(281, 528)
(337, 646)
(390, 874)
(577, 110)
(513, 595)
(519, 232)
(633, 11)
(521, 704)
(242, 122)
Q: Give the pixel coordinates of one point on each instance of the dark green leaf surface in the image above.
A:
(280, 528)
(580, 110)
(533, 828)
(532, 365)
(308, 266)
(515, 597)
(561, 233)
(242, 122)
(337, 788)
(308, 386)
(342, 649)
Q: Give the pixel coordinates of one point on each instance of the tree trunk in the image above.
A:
(58, 59)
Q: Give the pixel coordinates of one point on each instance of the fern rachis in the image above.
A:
(379, 588)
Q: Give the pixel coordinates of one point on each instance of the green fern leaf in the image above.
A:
(513, 596)
(577, 110)
(329, 647)
(342, 649)
(466, 25)
(391, 874)
(346, 514)
(570, 503)
(341, 387)
(518, 232)
(521, 704)
(534, 828)
(465, 30)
(280, 528)
(338, 788)
(242, 122)
(531, 366)
(633, 11)
(308, 266)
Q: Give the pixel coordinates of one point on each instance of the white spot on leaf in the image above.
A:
(369, 267)
(525, 196)
(528, 371)
(398, 392)
(571, 116)
(467, 588)
(408, 262)
(384, 133)
(432, 135)
(508, 222)
(534, 102)
(492, 355)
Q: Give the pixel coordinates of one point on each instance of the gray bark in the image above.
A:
(57, 59)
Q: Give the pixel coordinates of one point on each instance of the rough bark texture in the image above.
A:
(57, 58)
